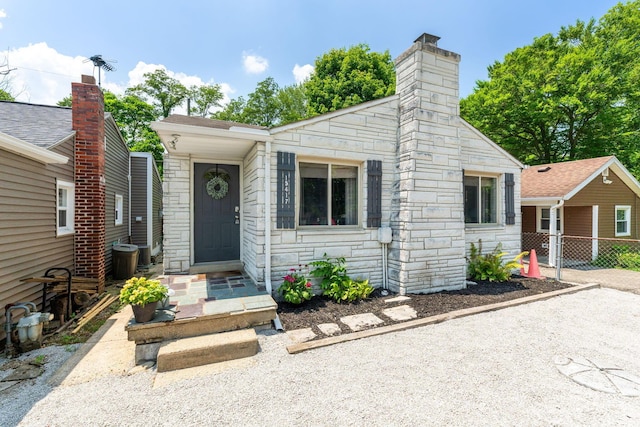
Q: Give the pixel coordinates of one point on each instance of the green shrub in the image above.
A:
(629, 261)
(295, 288)
(490, 266)
(336, 283)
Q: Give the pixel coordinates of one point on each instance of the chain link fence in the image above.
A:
(583, 253)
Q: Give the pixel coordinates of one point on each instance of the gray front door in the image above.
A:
(216, 212)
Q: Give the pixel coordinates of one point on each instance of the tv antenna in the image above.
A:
(106, 64)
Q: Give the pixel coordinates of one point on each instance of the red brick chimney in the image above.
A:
(88, 122)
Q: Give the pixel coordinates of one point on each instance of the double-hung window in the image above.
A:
(544, 220)
(480, 199)
(328, 194)
(64, 207)
(623, 221)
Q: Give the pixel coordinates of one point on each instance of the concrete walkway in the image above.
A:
(615, 278)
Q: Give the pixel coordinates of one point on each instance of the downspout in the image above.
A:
(267, 216)
(553, 221)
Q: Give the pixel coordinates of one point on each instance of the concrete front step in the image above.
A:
(202, 350)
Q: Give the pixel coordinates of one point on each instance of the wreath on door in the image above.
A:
(217, 187)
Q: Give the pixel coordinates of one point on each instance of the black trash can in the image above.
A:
(124, 261)
(144, 256)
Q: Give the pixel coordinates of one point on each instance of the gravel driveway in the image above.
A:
(495, 368)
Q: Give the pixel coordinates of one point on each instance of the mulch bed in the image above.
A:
(323, 310)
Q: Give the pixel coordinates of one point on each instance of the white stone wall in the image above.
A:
(176, 201)
(355, 135)
(428, 220)
(253, 223)
(480, 155)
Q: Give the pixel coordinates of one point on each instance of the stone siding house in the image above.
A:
(399, 186)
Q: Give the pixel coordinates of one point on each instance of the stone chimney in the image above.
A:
(428, 210)
(88, 122)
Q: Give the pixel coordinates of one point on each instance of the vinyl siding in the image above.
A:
(139, 200)
(607, 197)
(28, 242)
(116, 177)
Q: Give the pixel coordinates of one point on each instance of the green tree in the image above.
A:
(6, 96)
(568, 96)
(345, 77)
(204, 98)
(263, 107)
(65, 102)
(132, 114)
(233, 111)
(293, 104)
(163, 91)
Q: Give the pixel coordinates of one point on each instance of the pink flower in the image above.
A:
(289, 278)
(308, 284)
(292, 269)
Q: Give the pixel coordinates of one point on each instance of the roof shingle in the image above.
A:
(40, 125)
(555, 180)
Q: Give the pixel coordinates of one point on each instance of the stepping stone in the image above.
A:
(399, 298)
(301, 335)
(358, 322)
(330, 329)
(599, 376)
(401, 312)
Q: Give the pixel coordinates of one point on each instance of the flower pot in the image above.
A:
(144, 313)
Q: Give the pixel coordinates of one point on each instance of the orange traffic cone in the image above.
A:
(534, 270)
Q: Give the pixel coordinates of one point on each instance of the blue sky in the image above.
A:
(241, 42)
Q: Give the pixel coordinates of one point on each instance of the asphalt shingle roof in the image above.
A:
(204, 122)
(40, 125)
(555, 180)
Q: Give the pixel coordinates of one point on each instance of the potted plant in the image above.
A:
(143, 294)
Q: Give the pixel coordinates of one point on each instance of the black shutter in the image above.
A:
(286, 205)
(374, 193)
(509, 186)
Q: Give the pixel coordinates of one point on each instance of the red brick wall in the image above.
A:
(88, 122)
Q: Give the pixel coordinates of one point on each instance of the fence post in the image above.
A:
(559, 247)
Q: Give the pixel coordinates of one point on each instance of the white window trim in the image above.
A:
(329, 163)
(70, 188)
(499, 203)
(627, 210)
(559, 213)
(119, 209)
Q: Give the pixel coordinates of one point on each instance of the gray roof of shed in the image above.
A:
(40, 125)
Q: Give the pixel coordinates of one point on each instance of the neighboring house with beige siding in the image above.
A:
(64, 192)
(593, 198)
(399, 186)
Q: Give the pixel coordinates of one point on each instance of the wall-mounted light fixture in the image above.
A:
(174, 140)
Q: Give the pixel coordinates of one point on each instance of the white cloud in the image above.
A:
(254, 64)
(42, 75)
(302, 72)
(3, 14)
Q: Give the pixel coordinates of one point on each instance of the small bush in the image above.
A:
(336, 283)
(490, 266)
(295, 288)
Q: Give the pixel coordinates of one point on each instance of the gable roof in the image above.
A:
(41, 125)
(564, 180)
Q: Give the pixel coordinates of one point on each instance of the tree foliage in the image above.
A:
(204, 98)
(163, 91)
(568, 96)
(345, 77)
(6, 96)
(268, 105)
